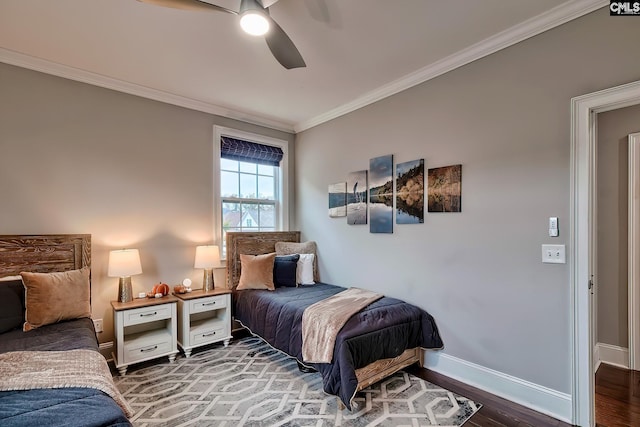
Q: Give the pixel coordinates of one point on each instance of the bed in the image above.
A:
(46, 345)
(386, 336)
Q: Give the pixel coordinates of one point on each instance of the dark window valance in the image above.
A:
(245, 151)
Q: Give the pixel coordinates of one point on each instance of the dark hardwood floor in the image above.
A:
(617, 397)
(617, 401)
(495, 412)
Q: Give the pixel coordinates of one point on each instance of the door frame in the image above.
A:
(584, 110)
(633, 251)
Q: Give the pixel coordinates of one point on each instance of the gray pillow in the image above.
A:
(11, 305)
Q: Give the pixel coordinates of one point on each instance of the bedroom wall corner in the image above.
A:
(506, 119)
(132, 172)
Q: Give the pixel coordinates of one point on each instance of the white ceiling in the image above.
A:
(357, 51)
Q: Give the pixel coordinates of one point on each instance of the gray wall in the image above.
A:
(613, 156)
(506, 119)
(75, 158)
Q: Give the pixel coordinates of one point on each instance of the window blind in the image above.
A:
(245, 151)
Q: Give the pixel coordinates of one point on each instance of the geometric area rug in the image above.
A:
(249, 383)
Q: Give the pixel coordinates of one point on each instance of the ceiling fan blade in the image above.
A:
(189, 5)
(282, 47)
(268, 3)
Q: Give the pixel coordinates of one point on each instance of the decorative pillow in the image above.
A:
(53, 297)
(284, 271)
(256, 272)
(288, 248)
(304, 274)
(11, 303)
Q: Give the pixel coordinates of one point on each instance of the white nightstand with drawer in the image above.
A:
(203, 318)
(145, 329)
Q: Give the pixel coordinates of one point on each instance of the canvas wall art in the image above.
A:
(381, 194)
(338, 200)
(357, 198)
(410, 192)
(445, 189)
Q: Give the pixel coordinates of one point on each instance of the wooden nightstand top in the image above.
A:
(142, 302)
(199, 293)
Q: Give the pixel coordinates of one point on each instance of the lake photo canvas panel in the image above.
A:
(410, 192)
(381, 194)
(357, 198)
(338, 200)
(445, 189)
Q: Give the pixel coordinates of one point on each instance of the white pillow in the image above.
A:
(304, 270)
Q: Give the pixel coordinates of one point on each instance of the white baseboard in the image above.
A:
(106, 348)
(539, 398)
(612, 355)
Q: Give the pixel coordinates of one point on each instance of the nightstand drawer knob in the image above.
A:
(209, 303)
(209, 334)
(148, 314)
(143, 350)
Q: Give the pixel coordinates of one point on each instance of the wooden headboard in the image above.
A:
(44, 253)
(252, 243)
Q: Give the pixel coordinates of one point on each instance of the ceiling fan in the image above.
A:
(254, 20)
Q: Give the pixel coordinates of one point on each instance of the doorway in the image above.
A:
(634, 251)
(584, 110)
(614, 294)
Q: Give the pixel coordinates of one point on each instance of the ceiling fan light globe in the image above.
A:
(254, 23)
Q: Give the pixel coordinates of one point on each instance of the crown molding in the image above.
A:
(38, 64)
(552, 18)
(557, 16)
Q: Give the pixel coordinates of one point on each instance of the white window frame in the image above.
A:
(282, 190)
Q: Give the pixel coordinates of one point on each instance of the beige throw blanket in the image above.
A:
(322, 321)
(24, 370)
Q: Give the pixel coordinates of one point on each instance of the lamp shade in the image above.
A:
(124, 263)
(207, 257)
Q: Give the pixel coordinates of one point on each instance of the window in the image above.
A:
(252, 183)
(249, 196)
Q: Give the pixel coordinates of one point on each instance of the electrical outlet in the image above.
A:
(553, 254)
(97, 323)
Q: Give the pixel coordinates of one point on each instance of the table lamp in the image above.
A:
(124, 263)
(207, 257)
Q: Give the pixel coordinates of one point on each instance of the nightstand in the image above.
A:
(203, 318)
(145, 329)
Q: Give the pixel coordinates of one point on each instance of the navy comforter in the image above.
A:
(57, 407)
(384, 329)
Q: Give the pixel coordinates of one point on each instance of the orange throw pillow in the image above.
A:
(53, 297)
(256, 272)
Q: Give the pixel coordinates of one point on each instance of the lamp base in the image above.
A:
(207, 281)
(125, 294)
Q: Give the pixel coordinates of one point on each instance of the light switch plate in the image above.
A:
(553, 226)
(553, 254)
